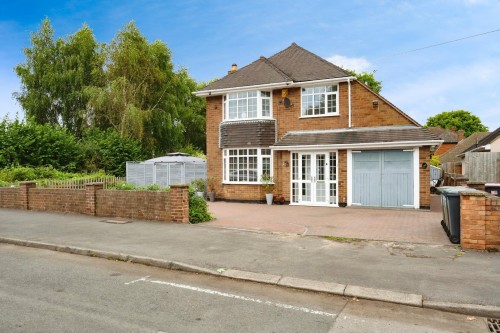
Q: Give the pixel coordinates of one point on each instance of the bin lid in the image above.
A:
(452, 191)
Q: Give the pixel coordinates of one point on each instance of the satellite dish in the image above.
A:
(286, 102)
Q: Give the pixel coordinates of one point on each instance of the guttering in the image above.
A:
(285, 84)
(371, 145)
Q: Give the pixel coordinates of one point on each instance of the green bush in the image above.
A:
(109, 151)
(29, 144)
(198, 209)
(198, 185)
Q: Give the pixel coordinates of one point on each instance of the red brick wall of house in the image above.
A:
(444, 148)
(479, 221)
(425, 177)
(363, 114)
(149, 205)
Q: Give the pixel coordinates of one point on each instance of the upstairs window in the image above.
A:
(247, 105)
(320, 101)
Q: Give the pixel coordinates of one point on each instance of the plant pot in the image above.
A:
(269, 198)
(211, 196)
(200, 194)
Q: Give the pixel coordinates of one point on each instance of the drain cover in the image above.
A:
(494, 325)
(117, 221)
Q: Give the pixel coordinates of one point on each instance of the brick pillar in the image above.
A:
(90, 197)
(179, 203)
(492, 223)
(24, 189)
(476, 185)
(472, 220)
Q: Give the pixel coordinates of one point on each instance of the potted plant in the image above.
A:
(268, 183)
(211, 188)
(198, 186)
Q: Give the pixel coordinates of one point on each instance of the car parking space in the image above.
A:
(401, 225)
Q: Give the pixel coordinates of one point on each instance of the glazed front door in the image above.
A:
(314, 180)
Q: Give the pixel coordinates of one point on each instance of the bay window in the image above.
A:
(247, 105)
(246, 165)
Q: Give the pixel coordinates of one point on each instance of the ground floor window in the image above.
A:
(314, 178)
(246, 165)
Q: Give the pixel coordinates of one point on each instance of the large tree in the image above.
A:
(141, 96)
(55, 75)
(129, 85)
(457, 120)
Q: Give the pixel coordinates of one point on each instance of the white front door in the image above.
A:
(314, 178)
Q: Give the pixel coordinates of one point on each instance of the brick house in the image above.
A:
(325, 138)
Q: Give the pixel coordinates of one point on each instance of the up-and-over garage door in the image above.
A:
(382, 178)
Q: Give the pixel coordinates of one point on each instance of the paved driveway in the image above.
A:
(363, 223)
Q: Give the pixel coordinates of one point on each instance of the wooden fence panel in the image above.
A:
(482, 167)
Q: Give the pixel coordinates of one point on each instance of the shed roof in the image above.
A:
(175, 159)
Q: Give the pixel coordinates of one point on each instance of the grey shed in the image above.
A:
(173, 168)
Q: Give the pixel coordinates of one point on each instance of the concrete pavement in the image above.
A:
(439, 274)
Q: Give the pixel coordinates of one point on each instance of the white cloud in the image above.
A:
(470, 87)
(355, 64)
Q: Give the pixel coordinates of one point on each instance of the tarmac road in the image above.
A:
(45, 291)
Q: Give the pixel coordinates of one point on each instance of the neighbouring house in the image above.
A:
(450, 138)
(325, 138)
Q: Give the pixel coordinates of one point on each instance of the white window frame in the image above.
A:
(260, 98)
(326, 94)
(260, 157)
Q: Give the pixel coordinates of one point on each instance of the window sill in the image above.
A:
(320, 116)
(247, 119)
(244, 183)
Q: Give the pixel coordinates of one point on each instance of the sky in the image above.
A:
(206, 37)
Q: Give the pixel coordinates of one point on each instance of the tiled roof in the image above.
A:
(364, 135)
(484, 141)
(292, 64)
(448, 136)
(463, 145)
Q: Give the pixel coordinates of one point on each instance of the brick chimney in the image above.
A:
(460, 135)
(234, 68)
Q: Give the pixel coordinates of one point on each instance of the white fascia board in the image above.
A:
(216, 92)
(285, 84)
(374, 145)
(324, 81)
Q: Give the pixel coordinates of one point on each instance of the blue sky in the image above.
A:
(208, 36)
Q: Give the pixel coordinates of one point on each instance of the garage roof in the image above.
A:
(383, 135)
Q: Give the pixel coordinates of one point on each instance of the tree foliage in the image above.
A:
(368, 79)
(128, 85)
(457, 120)
(30, 144)
(55, 75)
(109, 151)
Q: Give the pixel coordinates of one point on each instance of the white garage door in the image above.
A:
(382, 178)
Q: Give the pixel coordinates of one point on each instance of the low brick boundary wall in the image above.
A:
(479, 221)
(171, 206)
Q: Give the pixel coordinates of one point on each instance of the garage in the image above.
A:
(383, 178)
